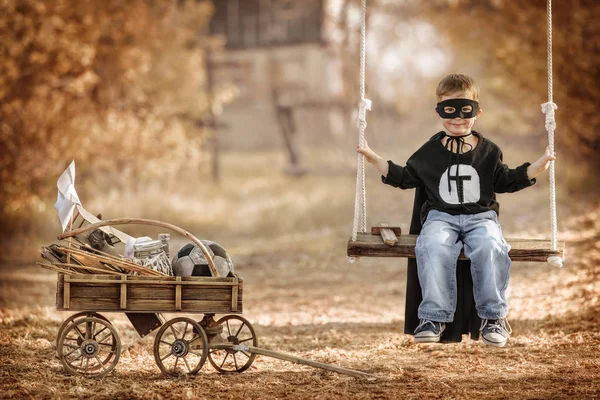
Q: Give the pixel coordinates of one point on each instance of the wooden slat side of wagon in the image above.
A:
(149, 294)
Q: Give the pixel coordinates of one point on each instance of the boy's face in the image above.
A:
(458, 126)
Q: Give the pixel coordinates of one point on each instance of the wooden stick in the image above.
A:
(387, 235)
(82, 257)
(49, 255)
(125, 221)
(58, 269)
(97, 252)
(376, 230)
(122, 263)
(104, 271)
(82, 219)
(92, 262)
(298, 360)
(113, 263)
(69, 227)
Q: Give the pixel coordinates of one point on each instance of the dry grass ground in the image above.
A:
(287, 239)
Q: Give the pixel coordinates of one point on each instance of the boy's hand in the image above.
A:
(369, 154)
(541, 164)
(374, 158)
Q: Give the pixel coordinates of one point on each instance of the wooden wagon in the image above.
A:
(102, 270)
(88, 344)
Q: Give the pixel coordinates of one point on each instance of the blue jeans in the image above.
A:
(438, 247)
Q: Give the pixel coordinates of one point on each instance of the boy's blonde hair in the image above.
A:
(457, 83)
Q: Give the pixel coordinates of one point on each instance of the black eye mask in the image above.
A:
(457, 108)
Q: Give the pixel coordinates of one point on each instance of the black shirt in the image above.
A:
(458, 183)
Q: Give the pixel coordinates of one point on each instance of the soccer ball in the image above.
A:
(190, 260)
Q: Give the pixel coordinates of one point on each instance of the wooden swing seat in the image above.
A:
(372, 245)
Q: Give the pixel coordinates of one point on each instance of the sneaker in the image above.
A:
(495, 332)
(429, 331)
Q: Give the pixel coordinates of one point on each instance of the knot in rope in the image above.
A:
(548, 109)
(555, 261)
(363, 107)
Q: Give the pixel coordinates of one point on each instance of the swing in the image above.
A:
(385, 241)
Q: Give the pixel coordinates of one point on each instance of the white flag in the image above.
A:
(67, 196)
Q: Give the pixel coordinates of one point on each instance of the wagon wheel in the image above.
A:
(238, 331)
(89, 346)
(73, 318)
(180, 347)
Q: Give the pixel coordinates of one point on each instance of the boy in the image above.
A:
(461, 171)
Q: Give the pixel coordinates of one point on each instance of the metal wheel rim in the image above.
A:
(228, 360)
(91, 332)
(181, 342)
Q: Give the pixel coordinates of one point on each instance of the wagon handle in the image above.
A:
(126, 221)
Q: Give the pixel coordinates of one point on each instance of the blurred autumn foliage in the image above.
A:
(121, 86)
(117, 84)
(507, 41)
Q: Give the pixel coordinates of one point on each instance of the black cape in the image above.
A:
(466, 319)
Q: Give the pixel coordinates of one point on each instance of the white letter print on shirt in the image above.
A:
(464, 188)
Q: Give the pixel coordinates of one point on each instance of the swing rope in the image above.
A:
(360, 204)
(548, 109)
